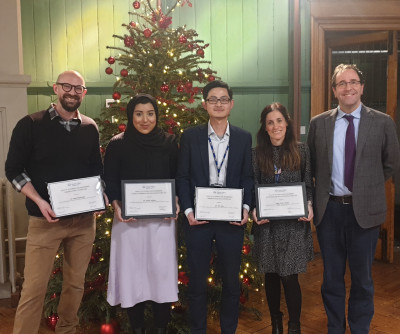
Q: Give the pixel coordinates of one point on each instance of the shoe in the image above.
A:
(276, 322)
(294, 328)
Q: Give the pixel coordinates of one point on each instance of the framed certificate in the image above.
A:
(76, 196)
(218, 204)
(281, 201)
(148, 198)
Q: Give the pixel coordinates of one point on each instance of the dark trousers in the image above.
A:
(340, 239)
(161, 314)
(229, 243)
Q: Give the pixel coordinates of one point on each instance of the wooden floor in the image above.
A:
(313, 319)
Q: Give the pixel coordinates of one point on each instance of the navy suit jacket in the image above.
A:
(193, 165)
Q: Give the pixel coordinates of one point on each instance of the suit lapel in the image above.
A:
(330, 128)
(231, 156)
(203, 148)
(366, 119)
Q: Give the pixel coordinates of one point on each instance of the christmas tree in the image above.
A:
(169, 64)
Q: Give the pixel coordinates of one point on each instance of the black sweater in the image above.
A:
(44, 150)
(134, 156)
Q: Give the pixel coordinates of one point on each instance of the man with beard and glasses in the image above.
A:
(53, 145)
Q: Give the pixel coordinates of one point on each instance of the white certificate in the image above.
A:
(219, 204)
(148, 198)
(76, 196)
(281, 201)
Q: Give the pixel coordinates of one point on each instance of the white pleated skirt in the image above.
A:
(143, 262)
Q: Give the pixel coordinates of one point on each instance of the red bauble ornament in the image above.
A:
(211, 78)
(190, 46)
(164, 88)
(156, 43)
(116, 95)
(51, 321)
(183, 278)
(188, 85)
(107, 329)
(246, 249)
(242, 299)
(147, 32)
(109, 70)
(182, 39)
(54, 295)
(124, 72)
(132, 24)
(122, 127)
(129, 41)
(180, 88)
(136, 4)
(111, 60)
(56, 271)
(200, 52)
(246, 280)
(164, 22)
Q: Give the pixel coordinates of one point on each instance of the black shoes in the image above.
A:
(276, 321)
(294, 328)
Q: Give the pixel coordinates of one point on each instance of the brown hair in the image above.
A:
(343, 67)
(289, 155)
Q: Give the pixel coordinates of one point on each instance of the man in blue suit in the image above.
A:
(215, 154)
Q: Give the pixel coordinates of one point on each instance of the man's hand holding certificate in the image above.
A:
(76, 196)
(225, 204)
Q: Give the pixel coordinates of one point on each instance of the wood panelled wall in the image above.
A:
(249, 47)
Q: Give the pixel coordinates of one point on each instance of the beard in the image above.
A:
(70, 106)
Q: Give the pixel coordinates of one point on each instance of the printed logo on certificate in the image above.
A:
(148, 198)
(76, 196)
(224, 204)
(281, 201)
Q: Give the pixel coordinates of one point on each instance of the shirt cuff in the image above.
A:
(187, 211)
(245, 206)
(19, 182)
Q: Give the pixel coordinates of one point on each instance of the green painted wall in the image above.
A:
(249, 47)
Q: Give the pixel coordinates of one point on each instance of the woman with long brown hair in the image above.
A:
(282, 247)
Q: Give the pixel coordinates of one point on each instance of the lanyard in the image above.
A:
(215, 157)
(277, 173)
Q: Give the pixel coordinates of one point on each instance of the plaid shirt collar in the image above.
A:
(68, 125)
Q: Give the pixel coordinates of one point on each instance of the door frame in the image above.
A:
(357, 15)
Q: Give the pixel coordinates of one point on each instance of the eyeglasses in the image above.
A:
(214, 100)
(352, 84)
(68, 87)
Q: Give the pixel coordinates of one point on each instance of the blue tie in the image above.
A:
(349, 153)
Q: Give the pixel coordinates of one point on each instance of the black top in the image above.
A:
(135, 156)
(44, 150)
